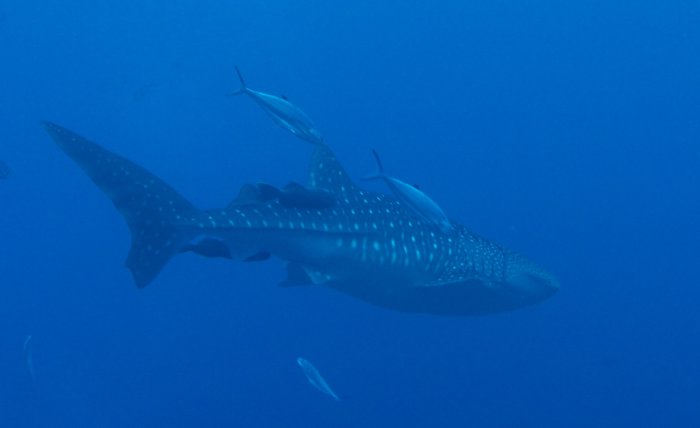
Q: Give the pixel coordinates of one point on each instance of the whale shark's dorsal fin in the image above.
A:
(326, 173)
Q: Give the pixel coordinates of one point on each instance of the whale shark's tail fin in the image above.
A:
(155, 213)
(244, 88)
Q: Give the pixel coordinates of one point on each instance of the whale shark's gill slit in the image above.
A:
(140, 197)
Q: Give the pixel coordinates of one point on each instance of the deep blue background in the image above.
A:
(569, 131)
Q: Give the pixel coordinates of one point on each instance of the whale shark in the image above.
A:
(366, 244)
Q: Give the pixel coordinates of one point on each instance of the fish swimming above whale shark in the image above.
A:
(365, 244)
(413, 198)
(282, 112)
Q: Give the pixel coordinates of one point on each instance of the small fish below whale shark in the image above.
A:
(28, 360)
(283, 113)
(314, 377)
(365, 244)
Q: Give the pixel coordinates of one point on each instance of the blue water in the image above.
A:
(569, 131)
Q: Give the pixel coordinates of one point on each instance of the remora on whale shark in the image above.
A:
(368, 245)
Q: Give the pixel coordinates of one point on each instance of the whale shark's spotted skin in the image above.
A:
(366, 244)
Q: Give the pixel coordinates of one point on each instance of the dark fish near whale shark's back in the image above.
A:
(366, 244)
(283, 113)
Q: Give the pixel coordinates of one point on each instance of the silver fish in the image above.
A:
(315, 378)
(412, 197)
(27, 353)
(283, 113)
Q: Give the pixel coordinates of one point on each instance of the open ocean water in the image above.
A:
(568, 131)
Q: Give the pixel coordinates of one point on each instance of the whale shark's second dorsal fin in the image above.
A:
(326, 173)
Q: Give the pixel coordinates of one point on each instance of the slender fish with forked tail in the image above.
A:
(315, 378)
(421, 205)
(27, 353)
(283, 113)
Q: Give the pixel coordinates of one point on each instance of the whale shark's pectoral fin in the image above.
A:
(296, 276)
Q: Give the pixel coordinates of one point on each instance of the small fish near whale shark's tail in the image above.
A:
(153, 210)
